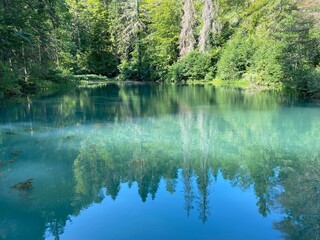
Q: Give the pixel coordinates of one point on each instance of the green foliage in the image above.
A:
(300, 54)
(275, 44)
(8, 82)
(236, 57)
(99, 62)
(194, 66)
(262, 42)
(129, 70)
(313, 84)
(154, 45)
(162, 42)
(91, 36)
(265, 65)
(137, 71)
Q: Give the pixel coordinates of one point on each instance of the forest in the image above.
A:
(46, 44)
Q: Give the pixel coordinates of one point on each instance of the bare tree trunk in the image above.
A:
(187, 39)
(211, 23)
(41, 44)
(216, 25)
(25, 71)
(207, 18)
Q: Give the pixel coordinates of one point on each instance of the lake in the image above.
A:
(128, 161)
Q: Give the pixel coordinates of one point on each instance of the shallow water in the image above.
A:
(160, 162)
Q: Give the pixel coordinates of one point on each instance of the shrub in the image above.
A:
(194, 66)
(104, 63)
(236, 57)
(266, 66)
(132, 70)
(8, 82)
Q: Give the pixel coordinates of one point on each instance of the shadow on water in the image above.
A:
(157, 137)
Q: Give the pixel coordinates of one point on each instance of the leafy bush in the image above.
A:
(236, 57)
(266, 66)
(104, 63)
(139, 68)
(8, 82)
(195, 66)
(313, 87)
(300, 53)
(132, 70)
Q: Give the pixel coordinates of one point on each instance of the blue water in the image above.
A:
(160, 162)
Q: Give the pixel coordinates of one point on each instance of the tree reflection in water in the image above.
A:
(104, 138)
(280, 179)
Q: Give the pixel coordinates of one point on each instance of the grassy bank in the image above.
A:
(241, 84)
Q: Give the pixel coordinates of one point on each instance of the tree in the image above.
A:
(91, 36)
(187, 40)
(127, 25)
(211, 25)
(162, 40)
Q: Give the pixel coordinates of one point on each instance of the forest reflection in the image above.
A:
(284, 180)
(152, 134)
(117, 102)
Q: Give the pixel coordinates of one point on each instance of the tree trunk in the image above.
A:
(207, 22)
(187, 40)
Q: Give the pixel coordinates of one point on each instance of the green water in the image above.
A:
(160, 162)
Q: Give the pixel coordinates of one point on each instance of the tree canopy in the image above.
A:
(273, 42)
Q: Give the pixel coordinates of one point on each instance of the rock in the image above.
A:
(16, 153)
(25, 185)
(10, 133)
(67, 138)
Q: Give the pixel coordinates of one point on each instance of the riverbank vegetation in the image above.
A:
(265, 43)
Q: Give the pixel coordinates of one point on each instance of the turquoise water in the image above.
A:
(160, 162)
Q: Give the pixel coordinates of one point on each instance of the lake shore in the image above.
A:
(91, 80)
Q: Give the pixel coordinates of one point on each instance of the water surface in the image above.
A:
(160, 162)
